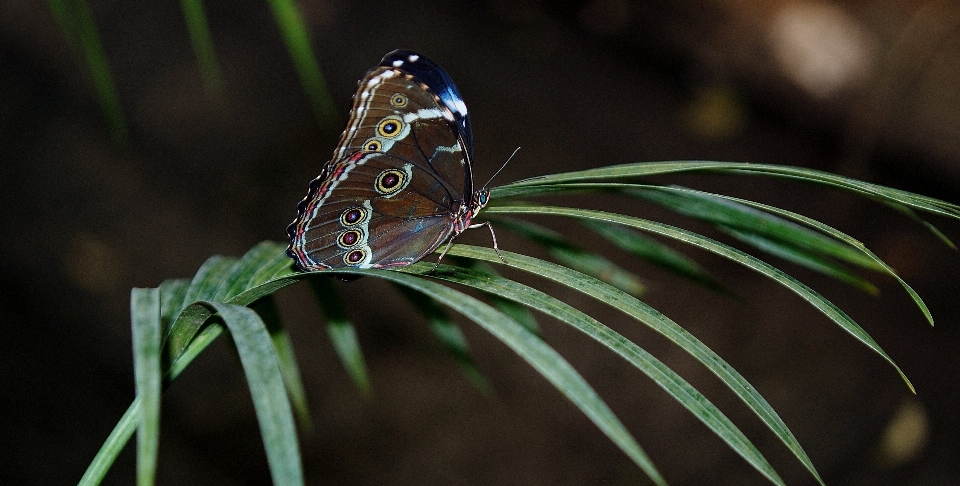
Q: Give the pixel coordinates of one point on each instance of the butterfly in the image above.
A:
(400, 182)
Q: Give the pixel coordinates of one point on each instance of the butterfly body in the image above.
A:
(400, 183)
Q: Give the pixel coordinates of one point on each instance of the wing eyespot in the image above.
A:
(398, 100)
(373, 145)
(391, 181)
(389, 127)
(353, 216)
(349, 239)
(355, 257)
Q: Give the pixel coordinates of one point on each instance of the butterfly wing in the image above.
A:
(399, 175)
(431, 74)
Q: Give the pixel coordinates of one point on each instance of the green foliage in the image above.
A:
(199, 30)
(234, 295)
(75, 20)
(295, 35)
(341, 332)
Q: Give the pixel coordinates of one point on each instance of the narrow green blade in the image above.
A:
(655, 252)
(172, 292)
(295, 35)
(657, 322)
(838, 235)
(805, 259)
(222, 279)
(261, 365)
(342, 333)
(643, 169)
(742, 219)
(79, 27)
(450, 335)
(823, 305)
(266, 308)
(574, 256)
(202, 42)
(114, 444)
(534, 351)
(517, 312)
(145, 327)
(662, 375)
(203, 286)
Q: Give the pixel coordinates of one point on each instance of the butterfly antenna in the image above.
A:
(502, 166)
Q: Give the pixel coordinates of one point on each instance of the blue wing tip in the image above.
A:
(431, 74)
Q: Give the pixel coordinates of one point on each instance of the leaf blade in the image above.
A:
(823, 305)
(661, 324)
(295, 34)
(576, 257)
(342, 333)
(450, 336)
(271, 402)
(656, 253)
(198, 29)
(533, 350)
(790, 215)
(145, 331)
(662, 375)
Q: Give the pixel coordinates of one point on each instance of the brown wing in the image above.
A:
(390, 195)
(427, 136)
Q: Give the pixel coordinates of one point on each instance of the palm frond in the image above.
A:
(175, 322)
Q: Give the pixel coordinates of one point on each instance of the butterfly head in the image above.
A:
(480, 199)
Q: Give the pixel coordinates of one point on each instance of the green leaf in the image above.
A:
(743, 219)
(266, 308)
(516, 311)
(80, 29)
(244, 270)
(222, 279)
(145, 327)
(657, 322)
(575, 257)
(261, 366)
(342, 333)
(809, 222)
(805, 259)
(449, 334)
(533, 350)
(837, 235)
(765, 231)
(233, 283)
(642, 169)
(906, 211)
(172, 292)
(199, 31)
(125, 427)
(902, 201)
(206, 282)
(654, 252)
(295, 35)
(203, 286)
(823, 305)
(114, 444)
(194, 317)
(662, 375)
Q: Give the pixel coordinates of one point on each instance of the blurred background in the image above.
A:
(93, 206)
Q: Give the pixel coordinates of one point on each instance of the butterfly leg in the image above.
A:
(442, 253)
(492, 235)
(473, 226)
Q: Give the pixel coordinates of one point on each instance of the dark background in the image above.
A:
(865, 89)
